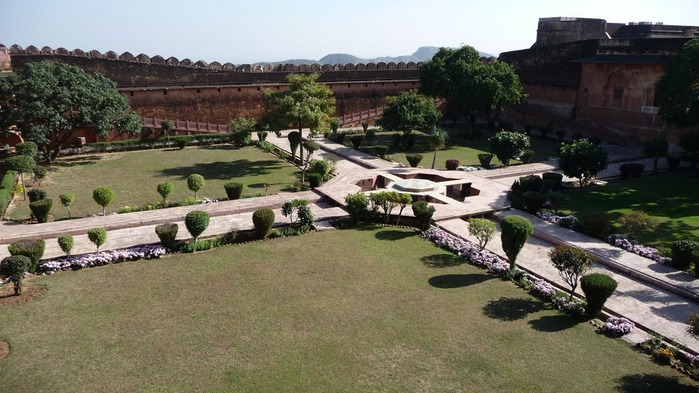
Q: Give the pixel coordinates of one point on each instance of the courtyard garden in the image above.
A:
(134, 177)
(394, 314)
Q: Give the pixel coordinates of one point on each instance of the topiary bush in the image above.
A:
(98, 236)
(597, 288)
(181, 142)
(103, 196)
(167, 233)
(357, 206)
(322, 167)
(36, 194)
(314, 180)
(527, 156)
(673, 163)
(30, 248)
(423, 213)
(66, 243)
(41, 209)
(515, 231)
(356, 140)
(15, 266)
(196, 222)
(263, 220)
(485, 159)
(530, 183)
(234, 190)
(631, 170)
(195, 182)
(28, 148)
(39, 173)
(452, 164)
(555, 178)
(682, 253)
(164, 189)
(533, 201)
(294, 138)
(413, 159)
(596, 225)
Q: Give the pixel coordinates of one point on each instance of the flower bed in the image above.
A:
(75, 262)
(617, 326)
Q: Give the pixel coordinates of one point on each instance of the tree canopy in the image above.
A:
(47, 101)
(678, 89)
(460, 77)
(582, 159)
(409, 111)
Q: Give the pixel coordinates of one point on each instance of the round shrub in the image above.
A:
(556, 178)
(39, 173)
(263, 220)
(527, 156)
(485, 159)
(452, 164)
(195, 182)
(356, 140)
(597, 288)
(682, 253)
(534, 201)
(164, 189)
(167, 233)
(596, 225)
(98, 236)
(182, 142)
(30, 248)
(357, 206)
(15, 266)
(28, 148)
(321, 167)
(67, 200)
(103, 196)
(41, 209)
(36, 194)
(196, 222)
(531, 183)
(423, 213)
(315, 180)
(413, 159)
(66, 243)
(515, 231)
(233, 190)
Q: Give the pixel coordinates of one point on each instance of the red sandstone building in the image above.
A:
(596, 77)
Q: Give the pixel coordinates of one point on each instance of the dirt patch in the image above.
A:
(29, 293)
(4, 349)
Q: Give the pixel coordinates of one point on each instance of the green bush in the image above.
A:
(638, 223)
(196, 222)
(556, 178)
(673, 163)
(98, 236)
(30, 248)
(515, 231)
(451, 164)
(233, 190)
(195, 182)
(556, 199)
(596, 225)
(167, 233)
(164, 189)
(204, 245)
(39, 173)
(15, 266)
(527, 156)
(8, 182)
(682, 253)
(485, 159)
(67, 200)
(28, 148)
(507, 145)
(263, 220)
(103, 196)
(181, 141)
(322, 167)
(631, 170)
(314, 180)
(36, 194)
(482, 229)
(533, 201)
(262, 135)
(530, 183)
(66, 243)
(357, 206)
(356, 140)
(571, 263)
(423, 213)
(693, 323)
(377, 150)
(413, 159)
(598, 288)
(41, 209)
(294, 138)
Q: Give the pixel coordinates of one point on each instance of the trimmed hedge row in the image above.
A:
(179, 141)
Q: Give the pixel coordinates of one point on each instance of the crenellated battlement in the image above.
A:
(213, 66)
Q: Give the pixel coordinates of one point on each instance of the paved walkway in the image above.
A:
(654, 296)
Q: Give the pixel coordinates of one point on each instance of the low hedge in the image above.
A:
(146, 144)
(631, 170)
(377, 150)
(8, 181)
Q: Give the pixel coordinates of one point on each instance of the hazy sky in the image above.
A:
(271, 30)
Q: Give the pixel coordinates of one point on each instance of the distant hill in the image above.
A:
(423, 53)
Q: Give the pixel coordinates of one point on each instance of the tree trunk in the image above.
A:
(24, 189)
(434, 159)
(301, 144)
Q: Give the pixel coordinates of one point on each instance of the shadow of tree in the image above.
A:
(69, 162)
(393, 235)
(450, 281)
(224, 170)
(554, 323)
(511, 309)
(652, 383)
(441, 260)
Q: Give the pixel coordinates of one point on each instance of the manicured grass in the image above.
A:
(672, 198)
(374, 314)
(463, 147)
(134, 176)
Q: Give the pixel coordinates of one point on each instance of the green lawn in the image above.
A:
(672, 198)
(463, 148)
(375, 314)
(134, 176)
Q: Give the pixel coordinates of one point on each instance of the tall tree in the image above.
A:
(409, 111)
(47, 101)
(469, 84)
(678, 89)
(305, 104)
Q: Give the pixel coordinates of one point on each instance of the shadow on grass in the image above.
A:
(554, 323)
(393, 235)
(441, 260)
(224, 170)
(450, 281)
(651, 383)
(77, 161)
(511, 309)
